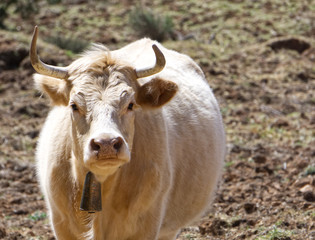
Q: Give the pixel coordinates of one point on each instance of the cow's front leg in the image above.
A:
(66, 227)
(61, 227)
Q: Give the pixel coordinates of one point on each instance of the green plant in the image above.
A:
(189, 237)
(310, 170)
(51, 2)
(276, 234)
(228, 164)
(148, 24)
(38, 215)
(74, 45)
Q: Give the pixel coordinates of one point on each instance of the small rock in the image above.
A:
(301, 182)
(307, 205)
(249, 208)
(251, 222)
(276, 203)
(280, 123)
(216, 227)
(19, 168)
(301, 225)
(20, 212)
(285, 224)
(302, 164)
(33, 134)
(306, 188)
(236, 149)
(303, 76)
(259, 158)
(309, 196)
(238, 222)
(263, 169)
(4, 183)
(295, 44)
(31, 233)
(203, 228)
(15, 200)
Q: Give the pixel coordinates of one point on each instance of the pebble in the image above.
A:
(301, 182)
(238, 222)
(306, 188)
(309, 196)
(259, 159)
(249, 208)
(302, 164)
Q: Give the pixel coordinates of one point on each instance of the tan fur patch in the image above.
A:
(156, 93)
(57, 89)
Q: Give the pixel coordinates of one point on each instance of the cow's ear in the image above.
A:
(155, 93)
(58, 90)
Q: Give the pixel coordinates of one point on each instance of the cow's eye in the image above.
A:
(74, 107)
(130, 106)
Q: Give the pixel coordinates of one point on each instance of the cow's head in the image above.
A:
(102, 96)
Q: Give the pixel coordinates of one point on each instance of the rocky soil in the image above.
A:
(259, 58)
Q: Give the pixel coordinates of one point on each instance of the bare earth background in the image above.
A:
(259, 58)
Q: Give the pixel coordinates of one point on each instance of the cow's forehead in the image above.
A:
(98, 76)
(114, 87)
(104, 76)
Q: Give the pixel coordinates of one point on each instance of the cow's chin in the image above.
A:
(103, 168)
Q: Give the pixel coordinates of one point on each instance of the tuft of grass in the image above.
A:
(37, 216)
(68, 43)
(189, 237)
(310, 170)
(70, 54)
(52, 2)
(276, 234)
(149, 24)
(229, 164)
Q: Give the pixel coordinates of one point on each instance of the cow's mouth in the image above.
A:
(103, 169)
(108, 162)
(106, 167)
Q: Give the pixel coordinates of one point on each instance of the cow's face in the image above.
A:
(102, 109)
(102, 106)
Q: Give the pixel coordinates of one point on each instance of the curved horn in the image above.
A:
(43, 68)
(159, 65)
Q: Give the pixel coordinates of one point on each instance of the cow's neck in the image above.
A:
(79, 173)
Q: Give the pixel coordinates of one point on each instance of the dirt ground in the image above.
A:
(259, 58)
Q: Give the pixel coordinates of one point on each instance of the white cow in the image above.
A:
(153, 138)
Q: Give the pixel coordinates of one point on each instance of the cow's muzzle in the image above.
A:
(106, 147)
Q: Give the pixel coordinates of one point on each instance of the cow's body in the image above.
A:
(175, 162)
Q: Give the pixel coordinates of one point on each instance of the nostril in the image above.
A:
(95, 146)
(105, 147)
(117, 143)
